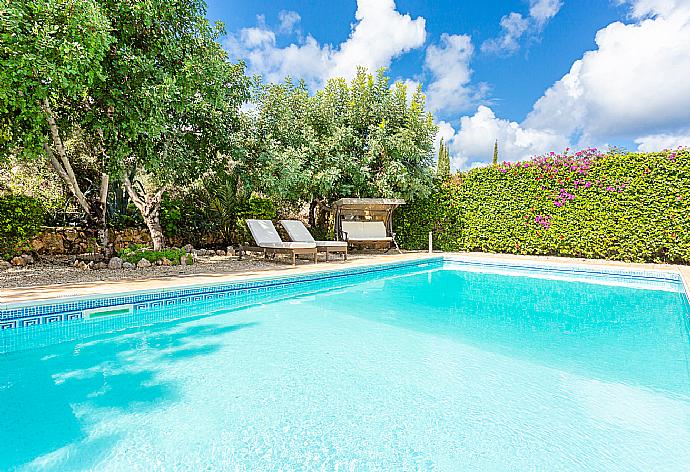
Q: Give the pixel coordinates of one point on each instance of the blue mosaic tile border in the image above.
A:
(32, 315)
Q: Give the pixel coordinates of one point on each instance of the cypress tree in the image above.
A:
(495, 161)
(443, 167)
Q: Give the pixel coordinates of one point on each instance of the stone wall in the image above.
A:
(71, 240)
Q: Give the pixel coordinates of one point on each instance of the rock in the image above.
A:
(18, 261)
(183, 260)
(220, 252)
(91, 257)
(82, 265)
(231, 251)
(100, 265)
(49, 242)
(166, 262)
(28, 258)
(143, 264)
(71, 235)
(4, 265)
(188, 248)
(115, 263)
(128, 265)
(76, 263)
(38, 245)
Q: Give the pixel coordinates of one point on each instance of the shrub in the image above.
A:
(136, 253)
(21, 218)
(220, 211)
(186, 218)
(254, 207)
(630, 207)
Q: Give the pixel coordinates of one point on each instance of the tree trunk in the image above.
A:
(312, 213)
(153, 223)
(60, 162)
(103, 202)
(149, 205)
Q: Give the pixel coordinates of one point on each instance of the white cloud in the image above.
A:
(448, 63)
(543, 10)
(659, 142)
(644, 8)
(514, 26)
(473, 143)
(257, 46)
(445, 132)
(635, 82)
(288, 20)
(379, 35)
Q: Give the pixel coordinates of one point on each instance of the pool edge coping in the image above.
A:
(67, 304)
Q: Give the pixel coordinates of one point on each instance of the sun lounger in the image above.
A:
(299, 233)
(268, 241)
(361, 232)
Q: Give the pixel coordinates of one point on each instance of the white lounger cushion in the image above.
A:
(298, 232)
(365, 231)
(265, 235)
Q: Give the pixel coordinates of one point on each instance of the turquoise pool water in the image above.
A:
(426, 368)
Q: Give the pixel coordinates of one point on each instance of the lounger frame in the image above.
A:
(272, 251)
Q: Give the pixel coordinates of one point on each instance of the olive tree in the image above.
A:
(51, 54)
(171, 103)
(363, 138)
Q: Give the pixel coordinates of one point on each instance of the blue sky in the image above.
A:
(492, 70)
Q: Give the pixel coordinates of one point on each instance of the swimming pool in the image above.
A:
(436, 365)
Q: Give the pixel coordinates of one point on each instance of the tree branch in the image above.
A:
(65, 170)
(134, 196)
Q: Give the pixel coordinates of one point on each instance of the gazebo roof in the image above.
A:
(368, 203)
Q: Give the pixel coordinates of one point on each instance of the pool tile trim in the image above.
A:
(27, 314)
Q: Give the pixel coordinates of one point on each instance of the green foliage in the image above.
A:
(363, 138)
(33, 180)
(443, 166)
(21, 218)
(186, 217)
(136, 253)
(218, 208)
(495, 159)
(630, 207)
(255, 207)
(50, 50)
(172, 97)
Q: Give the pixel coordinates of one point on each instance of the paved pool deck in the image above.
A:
(49, 292)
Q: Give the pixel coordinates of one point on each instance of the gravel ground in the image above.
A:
(58, 271)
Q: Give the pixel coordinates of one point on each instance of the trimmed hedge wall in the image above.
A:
(630, 207)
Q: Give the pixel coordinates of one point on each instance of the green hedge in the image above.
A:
(629, 207)
(21, 218)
